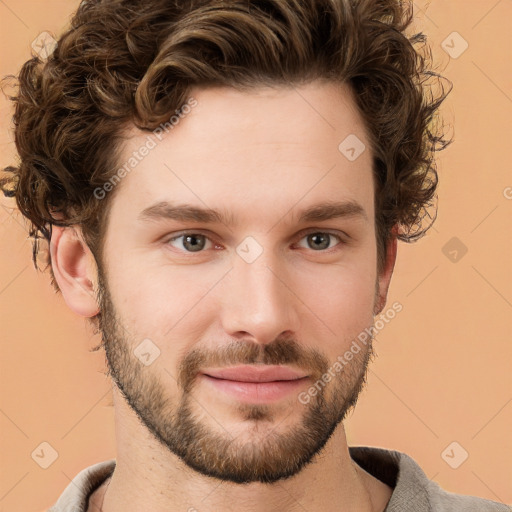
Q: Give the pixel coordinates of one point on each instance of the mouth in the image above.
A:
(264, 373)
(256, 385)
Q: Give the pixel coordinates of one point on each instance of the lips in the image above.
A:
(260, 373)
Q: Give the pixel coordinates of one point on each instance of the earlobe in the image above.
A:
(384, 278)
(74, 268)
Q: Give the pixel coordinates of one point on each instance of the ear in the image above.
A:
(75, 270)
(384, 278)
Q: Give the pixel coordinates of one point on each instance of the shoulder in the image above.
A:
(76, 495)
(441, 500)
(444, 501)
(412, 488)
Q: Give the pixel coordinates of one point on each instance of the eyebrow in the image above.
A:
(189, 213)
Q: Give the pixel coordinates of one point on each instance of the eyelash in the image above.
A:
(302, 235)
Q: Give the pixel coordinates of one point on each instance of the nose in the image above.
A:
(258, 300)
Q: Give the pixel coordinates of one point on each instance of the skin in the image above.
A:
(273, 153)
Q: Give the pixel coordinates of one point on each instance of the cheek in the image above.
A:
(340, 301)
(159, 301)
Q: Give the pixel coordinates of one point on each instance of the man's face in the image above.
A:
(260, 288)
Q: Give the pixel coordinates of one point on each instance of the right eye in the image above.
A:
(190, 241)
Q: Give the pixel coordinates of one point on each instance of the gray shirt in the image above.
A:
(412, 490)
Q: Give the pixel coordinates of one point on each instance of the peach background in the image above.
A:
(443, 371)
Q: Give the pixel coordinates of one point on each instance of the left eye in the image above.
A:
(321, 239)
(196, 242)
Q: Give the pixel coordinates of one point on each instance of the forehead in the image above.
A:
(251, 152)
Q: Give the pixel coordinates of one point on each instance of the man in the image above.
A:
(223, 185)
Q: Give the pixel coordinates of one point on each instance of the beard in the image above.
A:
(261, 452)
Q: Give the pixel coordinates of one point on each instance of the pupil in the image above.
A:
(194, 246)
(325, 238)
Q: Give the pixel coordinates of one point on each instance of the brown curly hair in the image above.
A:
(125, 62)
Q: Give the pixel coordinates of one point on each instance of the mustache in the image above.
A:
(279, 352)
